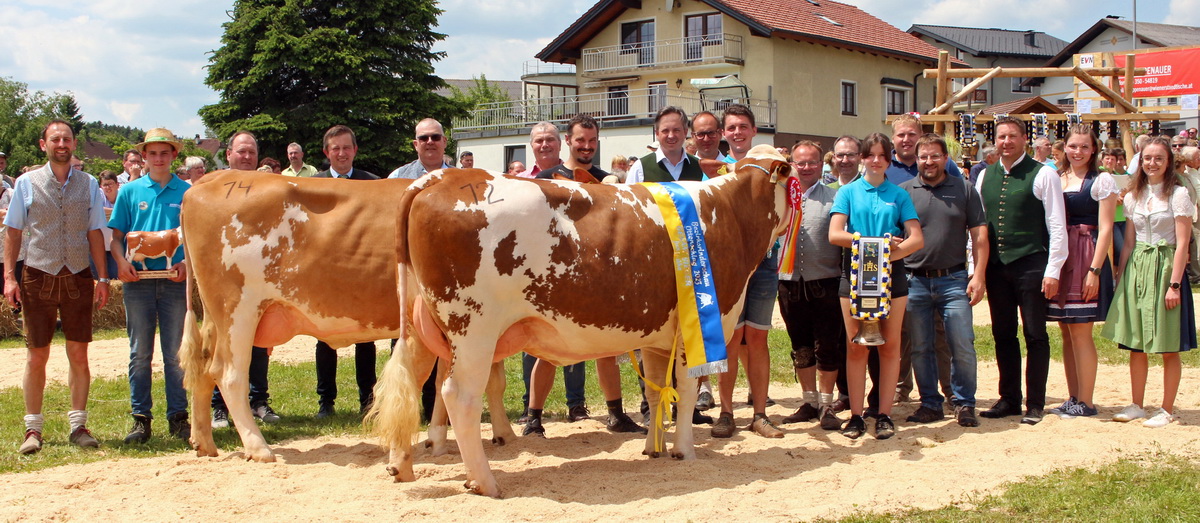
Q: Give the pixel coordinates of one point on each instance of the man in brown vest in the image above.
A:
(59, 212)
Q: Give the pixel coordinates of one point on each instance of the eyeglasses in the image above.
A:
(930, 157)
(843, 156)
(1176, 145)
(706, 134)
(429, 138)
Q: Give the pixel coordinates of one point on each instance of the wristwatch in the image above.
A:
(1094, 270)
(103, 280)
(1175, 285)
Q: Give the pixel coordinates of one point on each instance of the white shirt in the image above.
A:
(675, 170)
(1048, 189)
(1153, 217)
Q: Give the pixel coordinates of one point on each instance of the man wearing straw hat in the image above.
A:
(152, 203)
(58, 211)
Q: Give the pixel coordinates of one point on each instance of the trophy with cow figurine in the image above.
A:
(870, 286)
(143, 245)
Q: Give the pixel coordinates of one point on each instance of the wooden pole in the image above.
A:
(1112, 96)
(1012, 72)
(1126, 134)
(943, 88)
(949, 104)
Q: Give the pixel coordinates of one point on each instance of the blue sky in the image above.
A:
(138, 63)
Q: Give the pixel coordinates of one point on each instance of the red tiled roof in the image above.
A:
(796, 19)
(854, 27)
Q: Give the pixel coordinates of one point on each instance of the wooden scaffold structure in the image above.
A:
(1125, 111)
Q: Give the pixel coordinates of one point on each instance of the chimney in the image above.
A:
(1030, 37)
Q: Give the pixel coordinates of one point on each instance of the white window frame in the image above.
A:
(907, 98)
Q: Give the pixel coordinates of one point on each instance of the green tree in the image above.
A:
(290, 69)
(24, 113)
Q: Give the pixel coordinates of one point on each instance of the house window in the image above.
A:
(702, 30)
(513, 153)
(658, 96)
(849, 99)
(638, 37)
(1018, 88)
(618, 100)
(896, 100)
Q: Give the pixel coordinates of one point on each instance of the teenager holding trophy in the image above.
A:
(864, 211)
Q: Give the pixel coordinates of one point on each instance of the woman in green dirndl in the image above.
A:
(1151, 309)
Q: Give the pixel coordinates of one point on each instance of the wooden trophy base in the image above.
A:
(156, 275)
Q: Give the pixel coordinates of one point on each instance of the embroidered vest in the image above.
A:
(652, 171)
(1016, 218)
(57, 223)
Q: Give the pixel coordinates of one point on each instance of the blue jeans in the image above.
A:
(945, 296)
(155, 304)
(573, 378)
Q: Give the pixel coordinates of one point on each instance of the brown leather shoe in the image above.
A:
(804, 413)
(83, 437)
(763, 426)
(33, 442)
(724, 427)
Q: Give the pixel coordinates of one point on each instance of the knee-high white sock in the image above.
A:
(78, 418)
(34, 422)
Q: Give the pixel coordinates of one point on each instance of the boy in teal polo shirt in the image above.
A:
(152, 203)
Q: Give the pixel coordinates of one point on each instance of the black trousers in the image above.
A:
(364, 372)
(813, 314)
(259, 361)
(1012, 287)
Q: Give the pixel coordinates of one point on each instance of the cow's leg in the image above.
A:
(202, 431)
(463, 394)
(438, 420)
(502, 431)
(654, 367)
(235, 387)
(685, 447)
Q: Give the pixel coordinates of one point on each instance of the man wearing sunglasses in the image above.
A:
(430, 144)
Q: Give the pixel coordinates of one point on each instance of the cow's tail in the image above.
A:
(403, 257)
(395, 413)
(193, 355)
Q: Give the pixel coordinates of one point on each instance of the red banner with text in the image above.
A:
(1168, 73)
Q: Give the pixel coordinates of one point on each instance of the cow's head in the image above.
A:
(775, 166)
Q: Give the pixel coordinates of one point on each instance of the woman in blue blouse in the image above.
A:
(873, 206)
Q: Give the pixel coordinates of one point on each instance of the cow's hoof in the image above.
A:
(498, 441)
(650, 453)
(264, 456)
(475, 488)
(393, 471)
(428, 444)
(201, 453)
(678, 455)
(399, 475)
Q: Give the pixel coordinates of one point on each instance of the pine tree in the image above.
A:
(288, 70)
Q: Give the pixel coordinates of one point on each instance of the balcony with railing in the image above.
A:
(675, 53)
(609, 106)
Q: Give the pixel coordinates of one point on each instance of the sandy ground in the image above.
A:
(582, 472)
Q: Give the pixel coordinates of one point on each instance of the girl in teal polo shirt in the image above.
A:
(873, 206)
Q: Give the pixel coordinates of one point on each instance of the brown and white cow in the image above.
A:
(145, 245)
(566, 272)
(274, 257)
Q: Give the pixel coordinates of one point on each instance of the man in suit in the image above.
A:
(340, 148)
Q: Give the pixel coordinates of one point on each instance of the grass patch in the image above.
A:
(1152, 487)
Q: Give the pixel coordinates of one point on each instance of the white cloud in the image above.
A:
(1183, 12)
(125, 112)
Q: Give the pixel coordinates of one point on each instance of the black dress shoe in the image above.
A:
(1032, 416)
(577, 413)
(926, 415)
(1001, 409)
(325, 411)
(700, 418)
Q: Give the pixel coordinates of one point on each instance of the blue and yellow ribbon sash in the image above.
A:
(699, 314)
